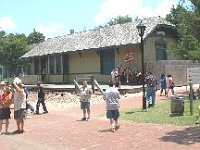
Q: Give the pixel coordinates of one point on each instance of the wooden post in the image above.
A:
(191, 99)
(92, 82)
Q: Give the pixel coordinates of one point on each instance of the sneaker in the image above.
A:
(117, 127)
(37, 113)
(21, 131)
(83, 119)
(16, 132)
(45, 112)
(88, 118)
(112, 129)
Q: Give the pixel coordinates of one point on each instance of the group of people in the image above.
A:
(111, 96)
(120, 75)
(17, 94)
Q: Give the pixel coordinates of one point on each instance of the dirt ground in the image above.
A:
(61, 129)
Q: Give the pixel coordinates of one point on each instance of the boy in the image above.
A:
(85, 96)
(112, 96)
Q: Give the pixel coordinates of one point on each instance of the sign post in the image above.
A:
(193, 77)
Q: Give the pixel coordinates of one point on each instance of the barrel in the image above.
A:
(177, 105)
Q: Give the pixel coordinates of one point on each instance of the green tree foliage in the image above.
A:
(35, 37)
(186, 18)
(13, 46)
(119, 20)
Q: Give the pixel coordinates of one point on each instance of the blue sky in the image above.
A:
(56, 17)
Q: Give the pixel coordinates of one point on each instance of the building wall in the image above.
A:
(85, 62)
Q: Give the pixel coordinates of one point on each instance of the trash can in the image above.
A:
(177, 105)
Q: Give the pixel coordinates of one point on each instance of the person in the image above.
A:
(112, 96)
(28, 105)
(197, 94)
(163, 83)
(41, 98)
(85, 96)
(6, 101)
(19, 105)
(151, 89)
(170, 85)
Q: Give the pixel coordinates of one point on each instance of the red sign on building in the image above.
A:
(129, 57)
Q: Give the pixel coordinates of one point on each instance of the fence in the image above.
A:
(177, 68)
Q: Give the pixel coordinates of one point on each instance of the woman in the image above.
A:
(170, 85)
(6, 101)
(163, 83)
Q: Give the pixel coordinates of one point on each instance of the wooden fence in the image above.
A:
(177, 68)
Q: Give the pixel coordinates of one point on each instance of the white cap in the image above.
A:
(2, 83)
(17, 80)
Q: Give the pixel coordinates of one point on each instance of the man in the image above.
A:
(85, 96)
(112, 96)
(41, 99)
(151, 89)
(19, 105)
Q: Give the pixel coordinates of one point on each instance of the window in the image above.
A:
(107, 61)
(161, 47)
(51, 64)
(65, 64)
(43, 65)
(37, 66)
(58, 64)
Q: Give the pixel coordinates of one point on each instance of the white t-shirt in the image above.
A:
(19, 100)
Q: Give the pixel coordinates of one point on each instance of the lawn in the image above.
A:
(161, 114)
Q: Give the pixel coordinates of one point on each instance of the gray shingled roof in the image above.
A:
(120, 34)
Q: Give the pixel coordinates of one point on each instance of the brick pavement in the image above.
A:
(62, 131)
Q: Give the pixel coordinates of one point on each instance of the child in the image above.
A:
(85, 96)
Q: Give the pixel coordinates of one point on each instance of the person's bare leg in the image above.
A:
(84, 113)
(7, 124)
(88, 112)
(1, 124)
(22, 125)
(112, 125)
(18, 124)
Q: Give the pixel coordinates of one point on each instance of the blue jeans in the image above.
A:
(151, 95)
(29, 106)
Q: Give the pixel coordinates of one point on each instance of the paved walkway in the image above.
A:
(62, 131)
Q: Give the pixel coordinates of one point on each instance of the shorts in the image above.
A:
(5, 113)
(112, 114)
(19, 114)
(85, 105)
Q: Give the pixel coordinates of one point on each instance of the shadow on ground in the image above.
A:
(187, 136)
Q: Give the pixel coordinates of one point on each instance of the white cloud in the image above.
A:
(6, 23)
(50, 30)
(113, 8)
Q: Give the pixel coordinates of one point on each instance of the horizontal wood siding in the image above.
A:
(84, 62)
(55, 78)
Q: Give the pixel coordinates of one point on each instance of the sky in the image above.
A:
(56, 17)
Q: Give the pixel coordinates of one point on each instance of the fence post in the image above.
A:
(191, 99)
(92, 83)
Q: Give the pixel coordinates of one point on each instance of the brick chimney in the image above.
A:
(71, 31)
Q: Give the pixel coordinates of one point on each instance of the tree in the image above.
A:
(119, 20)
(13, 46)
(35, 37)
(186, 18)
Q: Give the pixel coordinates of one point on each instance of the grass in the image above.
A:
(161, 114)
